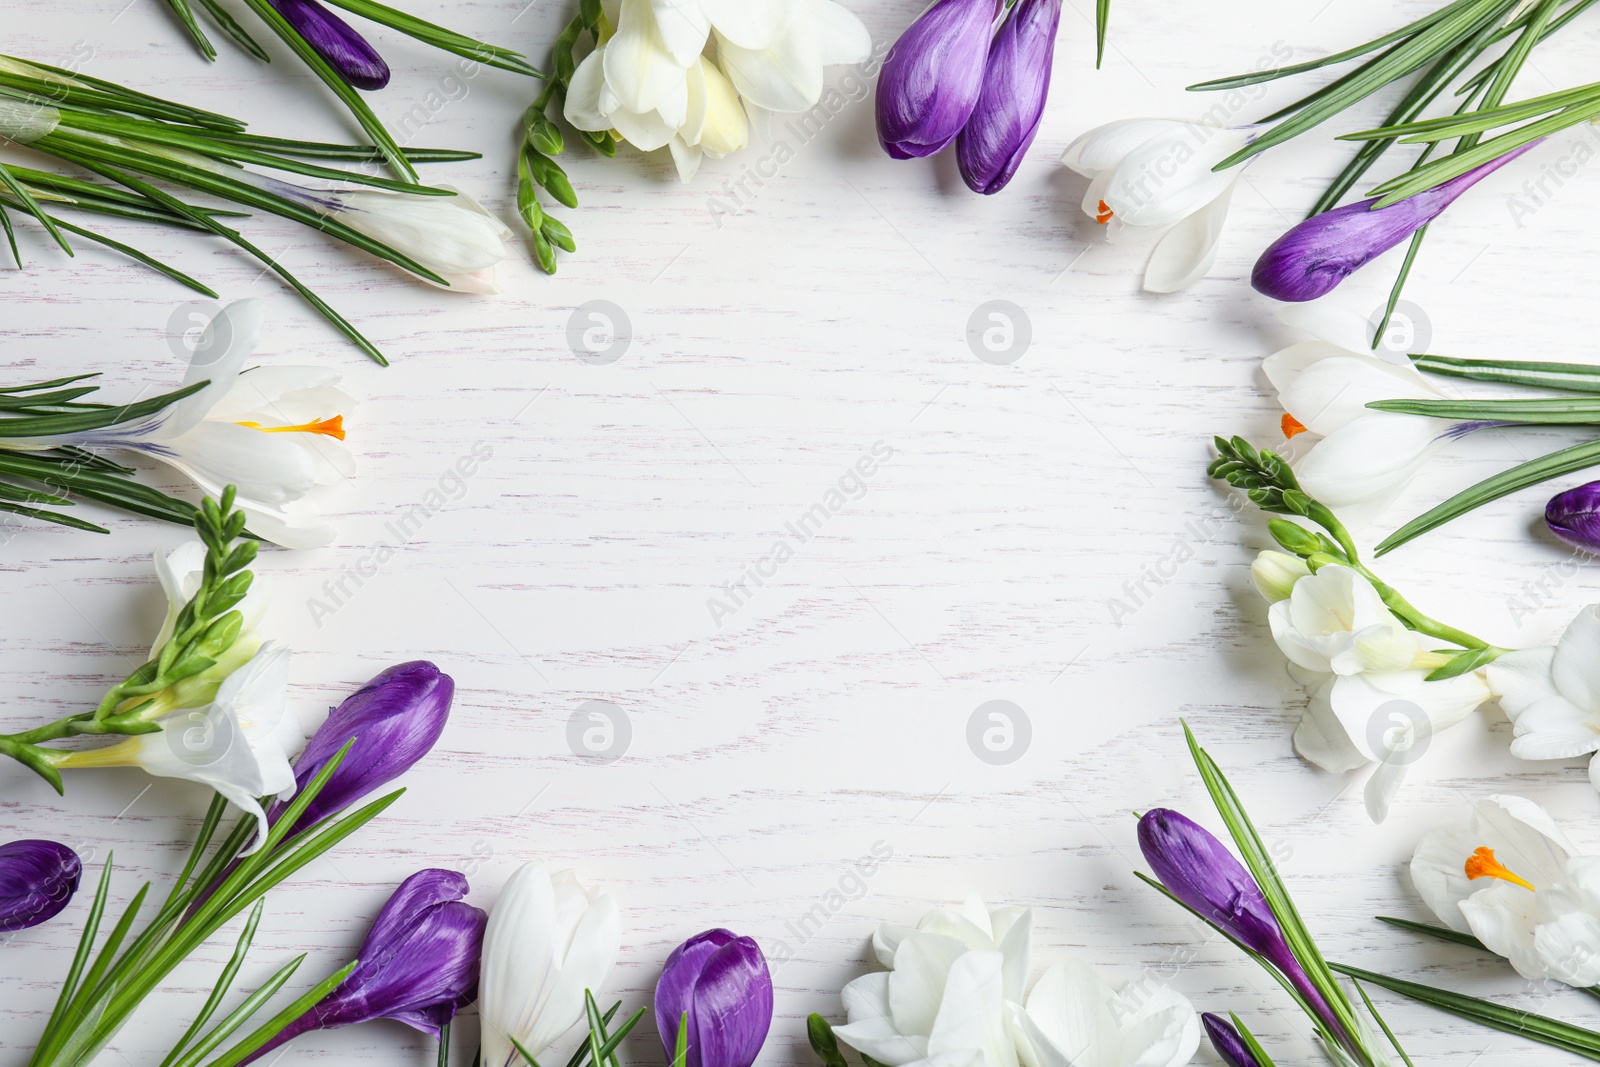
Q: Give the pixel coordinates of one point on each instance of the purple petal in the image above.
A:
(1315, 256)
(722, 982)
(336, 41)
(1226, 1040)
(37, 880)
(1016, 82)
(395, 719)
(1574, 517)
(932, 76)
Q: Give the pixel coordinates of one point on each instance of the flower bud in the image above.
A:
(1274, 574)
(1294, 537)
(1016, 81)
(932, 77)
(395, 719)
(336, 41)
(721, 982)
(1226, 1040)
(1574, 517)
(37, 879)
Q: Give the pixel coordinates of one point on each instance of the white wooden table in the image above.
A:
(771, 349)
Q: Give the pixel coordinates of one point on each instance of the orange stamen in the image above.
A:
(1482, 864)
(1105, 213)
(1291, 426)
(333, 427)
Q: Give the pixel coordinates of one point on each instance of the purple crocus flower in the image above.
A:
(1574, 516)
(1200, 871)
(1016, 82)
(395, 719)
(1315, 256)
(418, 964)
(932, 76)
(1226, 1040)
(722, 982)
(336, 41)
(37, 879)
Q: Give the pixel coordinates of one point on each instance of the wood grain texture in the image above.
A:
(772, 348)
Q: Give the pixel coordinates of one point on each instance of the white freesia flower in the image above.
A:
(1364, 455)
(678, 73)
(239, 744)
(275, 433)
(1366, 674)
(1509, 876)
(1274, 574)
(953, 997)
(1151, 180)
(1074, 1018)
(549, 938)
(1552, 694)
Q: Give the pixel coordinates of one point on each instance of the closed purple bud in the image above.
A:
(1574, 516)
(722, 982)
(395, 719)
(932, 76)
(418, 964)
(1016, 82)
(336, 41)
(1315, 256)
(1226, 1040)
(37, 879)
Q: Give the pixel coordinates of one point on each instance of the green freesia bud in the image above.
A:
(543, 135)
(1274, 574)
(1294, 538)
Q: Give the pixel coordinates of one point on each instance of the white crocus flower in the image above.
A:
(678, 73)
(1509, 876)
(239, 744)
(274, 433)
(1552, 694)
(1074, 1018)
(1366, 674)
(549, 938)
(944, 998)
(1151, 180)
(1364, 456)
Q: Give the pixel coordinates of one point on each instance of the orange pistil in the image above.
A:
(1482, 864)
(1105, 213)
(333, 427)
(1291, 426)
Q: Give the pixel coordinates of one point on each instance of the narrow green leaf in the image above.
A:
(31, 206)
(1573, 377)
(92, 419)
(1399, 284)
(80, 958)
(196, 34)
(299, 1007)
(1102, 18)
(439, 37)
(1554, 465)
(1249, 1039)
(1462, 663)
(1556, 411)
(240, 1015)
(231, 27)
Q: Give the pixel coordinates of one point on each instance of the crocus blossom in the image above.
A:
(1574, 516)
(933, 77)
(1508, 875)
(37, 880)
(1366, 674)
(395, 720)
(1552, 694)
(719, 982)
(1151, 180)
(418, 964)
(274, 433)
(336, 41)
(1315, 256)
(1226, 1040)
(549, 939)
(1016, 83)
(1364, 456)
(954, 994)
(239, 744)
(680, 75)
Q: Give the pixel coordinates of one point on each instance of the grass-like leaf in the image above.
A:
(224, 980)
(302, 1004)
(1558, 411)
(1573, 377)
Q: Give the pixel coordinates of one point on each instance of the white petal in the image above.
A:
(870, 1029)
(1069, 1014)
(265, 467)
(1321, 738)
(446, 234)
(786, 77)
(839, 37)
(646, 132)
(1569, 948)
(1169, 176)
(886, 941)
(1501, 916)
(686, 157)
(972, 1014)
(582, 108)
(1371, 459)
(1328, 393)
(917, 985)
(747, 23)
(1576, 667)
(640, 69)
(1104, 147)
(1187, 252)
(227, 342)
(683, 27)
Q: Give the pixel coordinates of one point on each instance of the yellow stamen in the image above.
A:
(1482, 864)
(333, 427)
(1105, 213)
(1291, 426)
